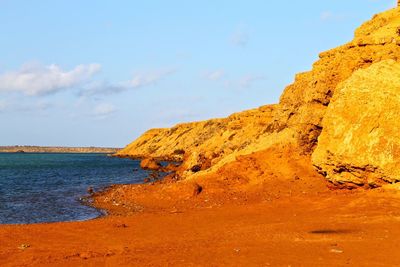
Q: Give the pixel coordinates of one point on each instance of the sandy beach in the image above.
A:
(330, 229)
(292, 218)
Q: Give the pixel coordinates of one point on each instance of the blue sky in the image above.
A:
(82, 73)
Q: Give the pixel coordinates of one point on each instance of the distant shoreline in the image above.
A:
(56, 149)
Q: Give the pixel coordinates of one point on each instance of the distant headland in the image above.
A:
(56, 149)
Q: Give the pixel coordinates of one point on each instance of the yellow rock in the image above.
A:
(297, 119)
(360, 140)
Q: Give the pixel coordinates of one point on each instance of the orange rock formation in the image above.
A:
(205, 147)
(360, 140)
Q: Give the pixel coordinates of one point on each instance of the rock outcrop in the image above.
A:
(204, 147)
(207, 145)
(360, 140)
(150, 164)
(305, 101)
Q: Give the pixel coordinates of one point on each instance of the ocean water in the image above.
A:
(46, 187)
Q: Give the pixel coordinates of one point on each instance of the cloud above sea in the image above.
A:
(139, 80)
(35, 79)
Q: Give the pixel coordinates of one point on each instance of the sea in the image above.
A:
(47, 187)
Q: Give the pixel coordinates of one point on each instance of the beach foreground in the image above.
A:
(332, 229)
(291, 219)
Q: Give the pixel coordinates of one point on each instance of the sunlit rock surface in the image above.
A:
(296, 120)
(360, 140)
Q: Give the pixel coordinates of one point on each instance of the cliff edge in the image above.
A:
(305, 117)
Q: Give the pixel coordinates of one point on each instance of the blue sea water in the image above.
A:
(46, 187)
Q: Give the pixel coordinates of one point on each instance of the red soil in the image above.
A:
(284, 215)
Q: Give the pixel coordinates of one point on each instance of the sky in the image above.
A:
(100, 73)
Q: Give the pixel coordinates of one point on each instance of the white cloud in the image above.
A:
(36, 79)
(214, 75)
(149, 78)
(240, 37)
(102, 88)
(246, 81)
(103, 110)
(139, 80)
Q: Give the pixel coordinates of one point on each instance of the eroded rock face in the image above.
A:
(206, 146)
(305, 101)
(360, 140)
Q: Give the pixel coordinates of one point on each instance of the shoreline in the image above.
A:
(230, 222)
(65, 152)
(252, 232)
(57, 149)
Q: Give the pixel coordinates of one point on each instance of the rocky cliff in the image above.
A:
(304, 110)
(360, 140)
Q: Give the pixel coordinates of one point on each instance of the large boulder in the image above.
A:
(360, 140)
